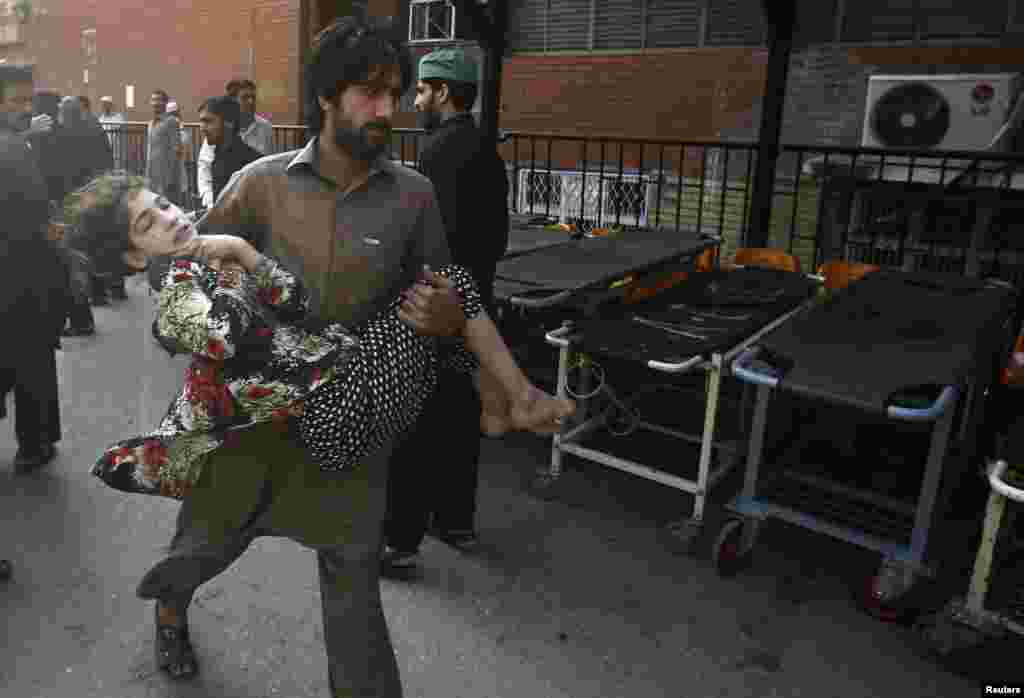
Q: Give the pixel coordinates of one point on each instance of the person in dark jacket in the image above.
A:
(33, 283)
(47, 144)
(84, 145)
(471, 185)
(218, 121)
(85, 153)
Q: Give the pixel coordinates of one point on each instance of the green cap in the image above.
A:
(448, 64)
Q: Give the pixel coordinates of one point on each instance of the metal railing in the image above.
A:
(898, 208)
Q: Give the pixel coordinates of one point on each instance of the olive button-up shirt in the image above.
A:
(354, 250)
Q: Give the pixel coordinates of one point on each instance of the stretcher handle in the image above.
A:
(558, 338)
(817, 278)
(1000, 486)
(742, 369)
(946, 398)
(553, 299)
(675, 368)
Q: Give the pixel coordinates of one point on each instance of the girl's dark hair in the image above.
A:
(97, 217)
(347, 51)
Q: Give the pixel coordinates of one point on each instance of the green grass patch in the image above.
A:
(723, 213)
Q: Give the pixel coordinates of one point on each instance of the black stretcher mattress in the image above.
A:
(593, 261)
(889, 333)
(525, 239)
(723, 307)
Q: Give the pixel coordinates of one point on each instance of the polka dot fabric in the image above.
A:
(381, 391)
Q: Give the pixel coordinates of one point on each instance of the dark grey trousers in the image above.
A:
(265, 486)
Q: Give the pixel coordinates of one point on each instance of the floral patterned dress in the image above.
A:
(258, 357)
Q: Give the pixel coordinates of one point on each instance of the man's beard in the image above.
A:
(356, 142)
(428, 119)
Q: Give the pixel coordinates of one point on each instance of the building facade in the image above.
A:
(652, 69)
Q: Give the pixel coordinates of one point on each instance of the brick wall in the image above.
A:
(191, 49)
(678, 95)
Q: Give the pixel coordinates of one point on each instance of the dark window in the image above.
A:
(962, 18)
(815, 22)
(618, 24)
(526, 22)
(673, 23)
(735, 23)
(568, 25)
(879, 20)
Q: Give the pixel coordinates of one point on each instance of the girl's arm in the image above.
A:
(211, 324)
(197, 322)
(484, 348)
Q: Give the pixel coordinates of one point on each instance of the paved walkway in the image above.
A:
(575, 598)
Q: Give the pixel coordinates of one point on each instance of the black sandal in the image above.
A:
(174, 653)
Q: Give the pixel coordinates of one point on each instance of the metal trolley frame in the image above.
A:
(902, 564)
(966, 622)
(715, 367)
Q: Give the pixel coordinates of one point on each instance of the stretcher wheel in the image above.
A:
(545, 485)
(944, 637)
(684, 536)
(727, 552)
(885, 595)
(6, 570)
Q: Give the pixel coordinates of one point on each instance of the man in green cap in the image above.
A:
(471, 186)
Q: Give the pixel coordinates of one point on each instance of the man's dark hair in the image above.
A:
(226, 107)
(98, 220)
(47, 102)
(345, 52)
(463, 94)
(162, 93)
(11, 73)
(233, 87)
(246, 84)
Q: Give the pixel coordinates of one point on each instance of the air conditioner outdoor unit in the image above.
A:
(936, 112)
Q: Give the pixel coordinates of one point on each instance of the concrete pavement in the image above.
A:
(575, 598)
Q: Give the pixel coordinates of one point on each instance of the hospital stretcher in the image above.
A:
(969, 622)
(698, 326)
(542, 288)
(525, 237)
(898, 346)
(586, 272)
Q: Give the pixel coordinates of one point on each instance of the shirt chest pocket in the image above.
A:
(369, 263)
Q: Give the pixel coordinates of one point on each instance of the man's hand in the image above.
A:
(221, 250)
(432, 307)
(41, 124)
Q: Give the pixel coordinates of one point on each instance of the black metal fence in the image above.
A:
(948, 210)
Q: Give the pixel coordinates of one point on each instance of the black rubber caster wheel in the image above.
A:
(727, 552)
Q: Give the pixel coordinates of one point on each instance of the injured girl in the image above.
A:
(259, 355)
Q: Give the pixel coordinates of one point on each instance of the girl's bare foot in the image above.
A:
(536, 412)
(494, 425)
(540, 412)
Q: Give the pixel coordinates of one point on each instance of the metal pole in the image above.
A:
(490, 25)
(494, 55)
(779, 16)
